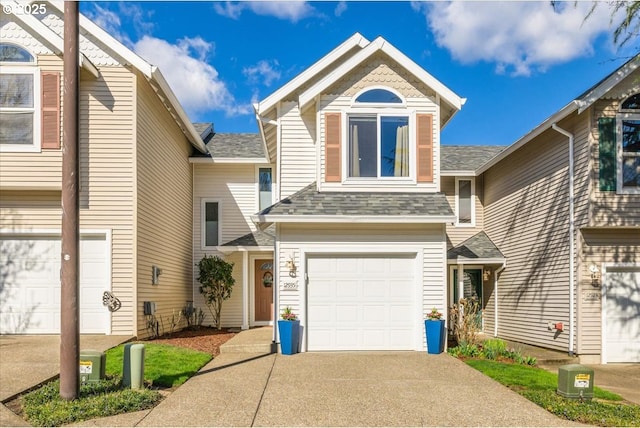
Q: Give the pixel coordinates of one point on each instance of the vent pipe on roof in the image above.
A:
(571, 239)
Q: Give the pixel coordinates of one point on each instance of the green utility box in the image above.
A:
(575, 381)
(133, 366)
(92, 365)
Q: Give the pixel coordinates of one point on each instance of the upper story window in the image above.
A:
(378, 96)
(210, 223)
(628, 146)
(29, 103)
(465, 207)
(265, 184)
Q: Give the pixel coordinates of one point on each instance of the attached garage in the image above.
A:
(621, 318)
(362, 302)
(30, 293)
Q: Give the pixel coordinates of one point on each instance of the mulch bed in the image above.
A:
(204, 339)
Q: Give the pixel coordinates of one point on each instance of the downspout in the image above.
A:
(495, 297)
(571, 239)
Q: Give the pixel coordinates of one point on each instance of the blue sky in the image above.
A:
(515, 62)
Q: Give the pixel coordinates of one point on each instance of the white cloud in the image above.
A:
(341, 7)
(195, 82)
(519, 37)
(264, 72)
(110, 22)
(293, 10)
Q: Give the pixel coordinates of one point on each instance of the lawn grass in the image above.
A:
(164, 365)
(539, 386)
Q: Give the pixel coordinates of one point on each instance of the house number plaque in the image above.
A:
(290, 285)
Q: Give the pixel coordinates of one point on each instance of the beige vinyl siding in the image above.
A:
(599, 246)
(609, 208)
(164, 216)
(235, 188)
(370, 238)
(17, 170)
(30, 210)
(526, 215)
(456, 235)
(298, 149)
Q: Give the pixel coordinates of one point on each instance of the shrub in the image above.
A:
(494, 348)
(216, 279)
(464, 318)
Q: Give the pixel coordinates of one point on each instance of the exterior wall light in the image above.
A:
(595, 275)
(486, 274)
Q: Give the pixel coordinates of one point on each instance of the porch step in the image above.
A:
(253, 341)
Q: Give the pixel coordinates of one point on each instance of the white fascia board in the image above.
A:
(609, 83)
(229, 160)
(356, 40)
(460, 173)
(261, 130)
(228, 249)
(350, 219)
(50, 36)
(187, 127)
(564, 112)
(380, 44)
(479, 261)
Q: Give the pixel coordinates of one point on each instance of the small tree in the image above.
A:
(217, 282)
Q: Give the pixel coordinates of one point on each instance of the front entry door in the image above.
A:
(263, 290)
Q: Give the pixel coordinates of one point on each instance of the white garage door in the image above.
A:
(622, 314)
(361, 303)
(30, 293)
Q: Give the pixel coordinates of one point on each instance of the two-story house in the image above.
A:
(136, 183)
(374, 221)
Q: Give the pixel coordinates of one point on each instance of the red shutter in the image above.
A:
(332, 150)
(50, 110)
(424, 149)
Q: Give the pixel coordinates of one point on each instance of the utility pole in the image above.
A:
(69, 272)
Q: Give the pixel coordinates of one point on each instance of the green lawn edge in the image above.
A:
(539, 386)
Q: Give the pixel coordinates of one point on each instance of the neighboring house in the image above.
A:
(375, 221)
(136, 184)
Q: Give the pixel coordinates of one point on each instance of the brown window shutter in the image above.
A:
(424, 149)
(333, 155)
(50, 110)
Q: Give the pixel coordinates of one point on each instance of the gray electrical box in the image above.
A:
(575, 381)
(92, 365)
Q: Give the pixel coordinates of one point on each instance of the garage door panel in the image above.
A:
(31, 298)
(361, 303)
(622, 309)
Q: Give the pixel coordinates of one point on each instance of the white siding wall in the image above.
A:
(298, 149)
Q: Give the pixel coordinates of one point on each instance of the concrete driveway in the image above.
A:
(342, 389)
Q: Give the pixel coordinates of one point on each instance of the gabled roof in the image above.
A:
(464, 160)
(380, 45)
(236, 146)
(259, 238)
(310, 205)
(579, 105)
(477, 249)
(151, 72)
(356, 40)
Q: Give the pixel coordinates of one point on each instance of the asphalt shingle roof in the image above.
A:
(466, 158)
(479, 246)
(236, 146)
(309, 201)
(259, 238)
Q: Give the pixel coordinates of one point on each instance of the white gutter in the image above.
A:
(571, 237)
(284, 218)
(495, 297)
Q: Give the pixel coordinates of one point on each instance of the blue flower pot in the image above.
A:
(436, 336)
(289, 336)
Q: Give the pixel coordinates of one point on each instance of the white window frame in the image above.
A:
(473, 200)
(379, 112)
(203, 223)
(620, 117)
(22, 68)
(257, 181)
(361, 104)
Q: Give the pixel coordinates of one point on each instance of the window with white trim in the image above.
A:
(210, 223)
(465, 207)
(378, 142)
(628, 146)
(265, 185)
(19, 100)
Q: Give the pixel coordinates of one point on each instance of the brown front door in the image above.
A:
(264, 290)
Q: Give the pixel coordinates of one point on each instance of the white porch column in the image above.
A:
(460, 282)
(245, 290)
